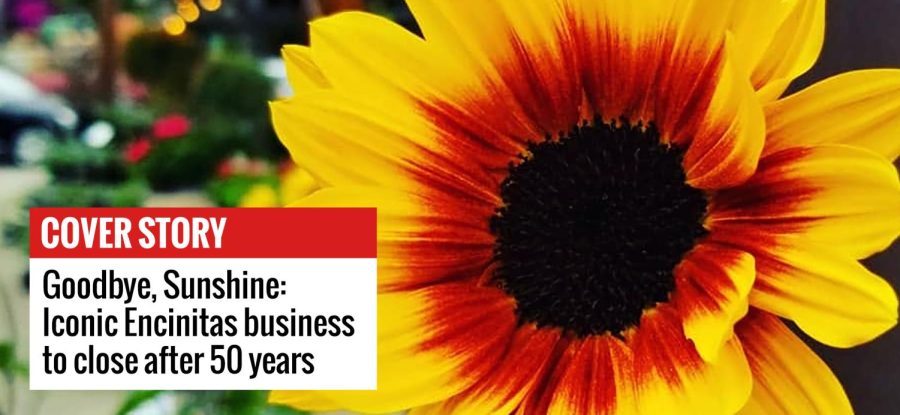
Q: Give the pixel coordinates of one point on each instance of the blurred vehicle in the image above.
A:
(30, 119)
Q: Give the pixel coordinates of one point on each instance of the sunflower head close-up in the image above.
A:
(601, 206)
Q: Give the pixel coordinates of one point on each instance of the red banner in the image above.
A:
(203, 233)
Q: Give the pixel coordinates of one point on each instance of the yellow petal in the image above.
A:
(521, 52)
(296, 184)
(804, 285)
(793, 51)
(591, 377)
(454, 109)
(830, 296)
(754, 24)
(788, 377)
(668, 63)
(302, 71)
(432, 344)
(841, 196)
(372, 127)
(260, 196)
(677, 381)
(342, 141)
(419, 86)
(712, 285)
(462, 28)
(485, 35)
(379, 61)
(859, 108)
(525, 365)
(420, 241)
(302, 400)
(726, 149)
(655, 371)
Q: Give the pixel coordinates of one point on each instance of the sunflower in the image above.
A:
(580, 200)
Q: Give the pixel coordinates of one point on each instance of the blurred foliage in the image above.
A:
(15, 233)
(72, 161)
(227, 103)
(61, 25)
(232, 85)
(11, 369)
(228, 192)
(186, 161)
(81, 176)
(127, 5)
(135, 400)
(165, 63)
(129, 121)
(129, 194)
(211, 402)
(231, 99)
(229, 109)
(10, 365)
(242, 181)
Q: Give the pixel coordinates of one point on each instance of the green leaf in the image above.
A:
(7, 356)
(20, 369)
(282, 410)
(10, 365)
(135, 399)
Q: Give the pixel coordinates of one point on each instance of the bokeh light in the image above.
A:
(174, 25)
(210, 5)
(188, 11)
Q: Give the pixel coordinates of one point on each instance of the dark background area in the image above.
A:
(862, 34)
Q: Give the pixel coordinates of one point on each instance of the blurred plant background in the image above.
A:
(121, 103)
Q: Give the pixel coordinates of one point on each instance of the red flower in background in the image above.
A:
(171, 126)
(133, 90)
(240, 164)
(137, 150)
(257, 168)
(225, 170)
